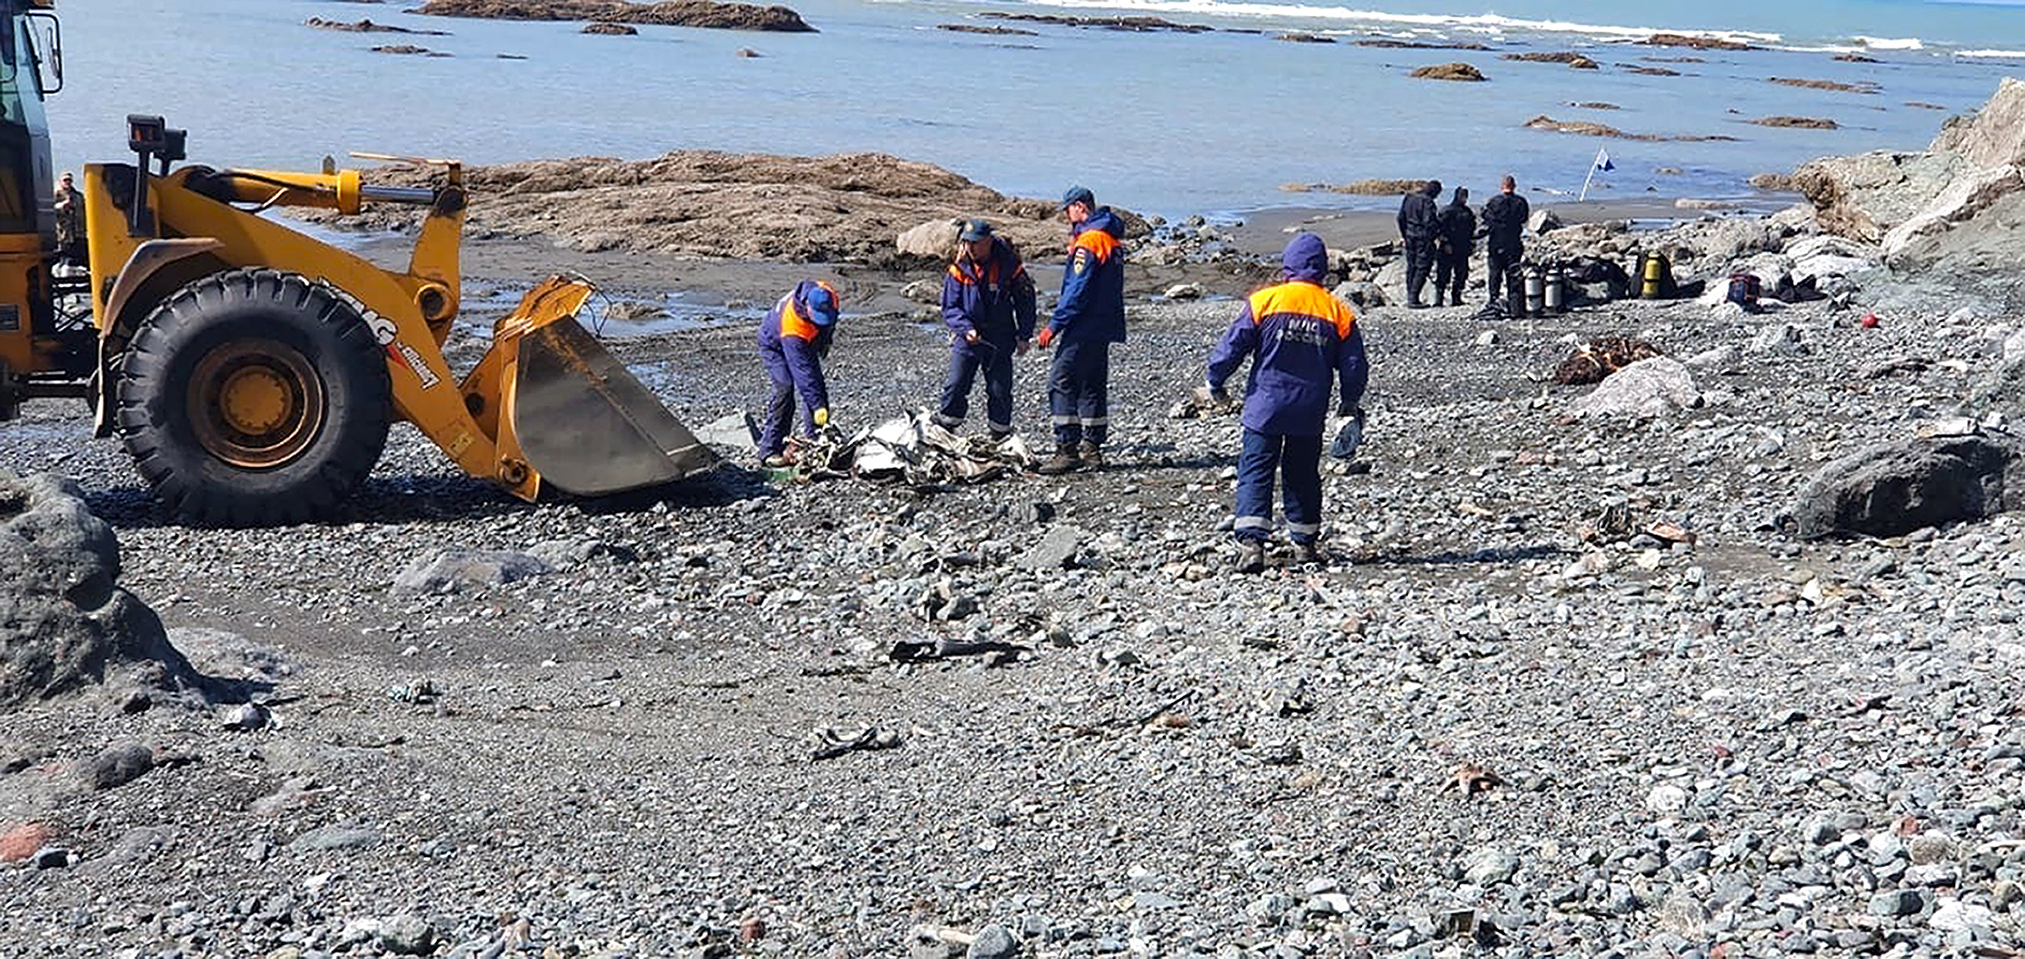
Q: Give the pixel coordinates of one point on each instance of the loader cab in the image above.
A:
(31, 68)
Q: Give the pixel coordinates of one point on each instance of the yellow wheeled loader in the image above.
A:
(253, 371)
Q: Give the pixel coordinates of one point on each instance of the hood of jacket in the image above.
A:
(1103, 219)
(1306, 258)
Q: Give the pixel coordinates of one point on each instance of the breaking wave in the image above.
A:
(1992, 54)
(1487, 22)
(1891, 43)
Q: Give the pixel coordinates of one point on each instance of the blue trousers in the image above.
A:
(780, 406)
(992, 353)
(1078, 392)
(1298, 460)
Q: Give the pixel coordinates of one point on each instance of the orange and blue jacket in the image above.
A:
(1092, 305)
(1300, 337)
(792, 343)
(994, 297)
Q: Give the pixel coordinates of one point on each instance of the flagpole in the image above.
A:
(1593, 164)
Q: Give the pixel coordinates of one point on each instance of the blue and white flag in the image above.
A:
(1603, 164)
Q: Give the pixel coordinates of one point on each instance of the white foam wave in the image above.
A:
(1891, 43)
(1489, 21)
(1992, 54)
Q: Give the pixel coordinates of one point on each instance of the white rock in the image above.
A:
(1666, 799)
(1649, 387)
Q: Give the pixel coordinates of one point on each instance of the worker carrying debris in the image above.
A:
(1089, 317)
(793, 340)
(1299, 336)
(988, 302)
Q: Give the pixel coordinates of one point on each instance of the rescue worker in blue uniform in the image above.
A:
(1299, 337)
(988, 302)
(793, 340)
(1088, 318)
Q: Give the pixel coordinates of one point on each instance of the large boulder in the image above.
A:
(1863, 197)
(933, 240)
(1993, 136)
(1649, 387)
(1894, 488)
(65, 625)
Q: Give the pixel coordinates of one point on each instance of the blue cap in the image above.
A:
(822, 307)
(1078, 194)
(974, 230)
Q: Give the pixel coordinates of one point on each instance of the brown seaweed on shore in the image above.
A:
(1381, 43)
(845, 207)
(1572, 59)
(1808, 123)
(1358, 188)
(1694, 42)
(1304, 38)
(1450, 71)
(611, 30)
(1589, 129)
(669, 13)
(1131, 24)
(1838, 86)
(367, 26)
(988, 31)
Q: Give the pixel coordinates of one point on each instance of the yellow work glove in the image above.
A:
(823, 416)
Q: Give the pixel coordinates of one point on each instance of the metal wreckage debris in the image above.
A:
(910, 450)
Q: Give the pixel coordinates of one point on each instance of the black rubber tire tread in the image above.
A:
(151, 404)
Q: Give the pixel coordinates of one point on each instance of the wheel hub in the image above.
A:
(255, 403)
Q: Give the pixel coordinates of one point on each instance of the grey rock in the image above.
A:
(1778, 339)
(118, 765)
(65, 624)
(566, 554)
(337, 836)
(1894, 488)
(1361, 293)
(450, 570)
(1898, 902)
(1489, 865)
(408, 935)
(1056, 550)
(993, 942)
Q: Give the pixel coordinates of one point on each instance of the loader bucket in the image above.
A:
(585, 424)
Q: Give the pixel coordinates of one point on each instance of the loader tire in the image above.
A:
(254, 398)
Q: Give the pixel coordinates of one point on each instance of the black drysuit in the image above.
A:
(1418, 223)
(1505, 225)
(1456, 240)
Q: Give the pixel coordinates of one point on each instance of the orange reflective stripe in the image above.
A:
(1304, 299)
(793, 323)
(1099, 243)
(961, 276)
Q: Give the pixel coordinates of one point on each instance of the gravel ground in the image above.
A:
(1474, 732)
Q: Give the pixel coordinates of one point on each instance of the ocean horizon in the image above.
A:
(1175, 123)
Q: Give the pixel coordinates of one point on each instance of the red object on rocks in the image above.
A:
(1870, 321)
(21, 842)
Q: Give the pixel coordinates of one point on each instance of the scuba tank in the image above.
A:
(1536, 291)
(1556, 295)
(1653, 273)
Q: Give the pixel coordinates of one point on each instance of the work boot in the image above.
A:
(1311, 553)
(1064, 460)
(776, 461)
(998, 437)
(1092, 456)
(1251, 556)
(1437, 301)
